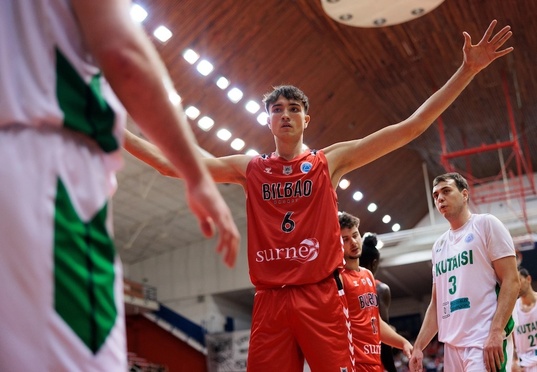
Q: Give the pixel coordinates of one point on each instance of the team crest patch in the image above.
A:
(287, 170)
(469, 238)
(305, 167)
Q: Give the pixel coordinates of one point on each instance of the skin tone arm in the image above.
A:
(385, 298)
(428, 330)
(346, 156)
(507, 273)
(392, 338)
(227, 169)
(137, 75)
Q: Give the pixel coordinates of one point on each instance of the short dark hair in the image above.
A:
(369, 250)
(348, 221)
(288, 91)
(523, 271)
(460, 181)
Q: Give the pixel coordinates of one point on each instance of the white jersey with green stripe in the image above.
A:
(48, 77)
(525, 334)
(466, 284)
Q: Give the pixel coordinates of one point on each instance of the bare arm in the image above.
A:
(346, 156)
(392, 338)
(507, 273)
(139, 78)
(385, 297)
(428, 330)
(227, 169)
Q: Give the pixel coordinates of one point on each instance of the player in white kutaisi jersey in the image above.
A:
(525, 332)
(475, 284)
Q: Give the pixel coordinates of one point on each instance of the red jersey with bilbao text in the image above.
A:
(293, 226)
(362, 299)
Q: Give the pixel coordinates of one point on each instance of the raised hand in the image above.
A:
(480, 55)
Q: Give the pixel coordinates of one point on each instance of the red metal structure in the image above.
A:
(505, 186)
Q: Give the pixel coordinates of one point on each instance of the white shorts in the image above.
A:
(61, 282)
(466, 359)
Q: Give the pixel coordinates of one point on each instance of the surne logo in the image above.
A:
(308, 250)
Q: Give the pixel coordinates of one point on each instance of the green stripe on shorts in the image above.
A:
(83, 272)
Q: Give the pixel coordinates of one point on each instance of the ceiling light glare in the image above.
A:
(372, 207)
(237, 144)
(190, 56)
(205, 123)
(222, 83)
(223, 134)
(235, 95)
(205, 67)
(174, 98)
(162, 33)
(357, 196)
(396, 227)
(252, 152)
(252, 107)
(262, 118)
(344, 183)
(386, 218)
(137, 13)
(192, 112)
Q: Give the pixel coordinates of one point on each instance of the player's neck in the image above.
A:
(528, 300)
(288, 150)
(460, 220)
(352, 264)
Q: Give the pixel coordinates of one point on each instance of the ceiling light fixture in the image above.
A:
(223, 134)
(205, 67)
(379, 21)
(262, 118)
(190, 56)
(237, 144)
(357, 196)
(344, 183)
(192, 112)
(222, 83)
(137, 13)
(235, 95)
(252, 107)
(205, 123)
(162, 33)
(174, 98)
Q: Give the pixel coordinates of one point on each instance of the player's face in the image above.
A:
(287, 117)
(449, 201)
(352, 242)
(525, 283)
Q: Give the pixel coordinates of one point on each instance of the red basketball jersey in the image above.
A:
(362, 299)
(293, 226)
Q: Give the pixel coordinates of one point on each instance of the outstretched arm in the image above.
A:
(227, 169)
(346, 156)
(139, 78)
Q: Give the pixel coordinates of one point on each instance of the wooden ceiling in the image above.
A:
(358, 80)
